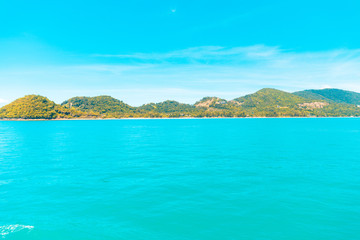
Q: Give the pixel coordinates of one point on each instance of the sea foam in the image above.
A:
(8, 229)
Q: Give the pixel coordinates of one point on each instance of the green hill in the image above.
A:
(176, 109)
(36, 107)
(101, 104)
(269, 97)
(270, 102)
(167, 108)
(266, 102)
(275, 103)
(331, 95)
(211, 102)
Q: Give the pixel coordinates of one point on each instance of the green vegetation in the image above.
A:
(37, 107)
(331, 95)
(275, 103)
(106, 106)
(167, 107)
(270, 102)
(266, 102)
(269, 97)
(175, 109)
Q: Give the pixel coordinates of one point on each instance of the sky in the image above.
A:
(151, 51)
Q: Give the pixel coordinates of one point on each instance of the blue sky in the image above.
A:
(150, 51)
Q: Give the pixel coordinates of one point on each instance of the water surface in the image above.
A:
(180, 179)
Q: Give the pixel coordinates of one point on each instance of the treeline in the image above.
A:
(264, 103)
(39, 107)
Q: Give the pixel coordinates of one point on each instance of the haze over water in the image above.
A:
(180, 179)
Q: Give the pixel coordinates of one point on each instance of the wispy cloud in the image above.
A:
(216, 53)
(189, 74)
(257, 65)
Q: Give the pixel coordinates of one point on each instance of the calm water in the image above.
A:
(174, 179)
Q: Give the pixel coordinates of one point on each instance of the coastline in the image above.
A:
(94, 119)
(265, 103)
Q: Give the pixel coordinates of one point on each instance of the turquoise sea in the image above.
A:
(201, 179)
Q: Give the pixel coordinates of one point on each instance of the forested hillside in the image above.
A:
(104, 105)
(266, 102)
(38, 107)
(331, 95)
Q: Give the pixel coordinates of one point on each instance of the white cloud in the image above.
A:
(257, 65)
(189, 74)
(216, 53)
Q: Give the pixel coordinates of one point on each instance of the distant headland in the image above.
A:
(266, 102)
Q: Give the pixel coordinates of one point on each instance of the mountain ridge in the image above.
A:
(267, 102)
(331, 94)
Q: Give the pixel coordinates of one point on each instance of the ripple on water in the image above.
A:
(9, 229)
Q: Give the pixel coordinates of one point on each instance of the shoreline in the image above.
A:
(94, 119)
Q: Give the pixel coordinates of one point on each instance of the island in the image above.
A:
(266, 102)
